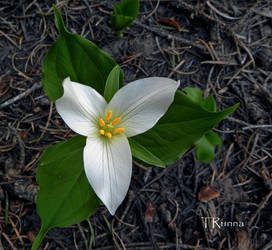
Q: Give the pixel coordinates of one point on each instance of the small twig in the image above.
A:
(20, 73)
(8, 38)
(83, 235)
(237, 121)
(265, 92)
(21, 144)
(131, 197)
(267, 246)
(88, 6)
(176, 213)
(92, 237)
(220, 13)
(263, 13)
(16, 231)
(156, 178)
(225, 161)
(33, 162)
(140, 165)
(220, 63)
(261, 206)
(170, 36)
(20, 96)
(248, 125)
(48, 121)
(239, 71)
(115, 235)
(75, 243)
(208, 48)
(9, 241)
(6, 208)
(263, 126)
(186, 73)
(121, 221)
(153, 11)
(160, 49)
(176, 68)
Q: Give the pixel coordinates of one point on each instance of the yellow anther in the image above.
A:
(109, 135)
(101, 122)
(115, 121)
(107, 125)
(108, 115)
(118, 130)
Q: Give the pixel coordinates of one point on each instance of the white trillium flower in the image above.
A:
(134, 109)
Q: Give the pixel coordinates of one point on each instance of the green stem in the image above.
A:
(39, 238)
(59, 21)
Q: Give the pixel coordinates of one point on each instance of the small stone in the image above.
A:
(44, 101)
(149, 213)
(207, 193)
(243, 241)
(37, 110)
(31, 236)
(23, 134)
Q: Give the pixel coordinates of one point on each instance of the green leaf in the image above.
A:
(143, 154)
(124, 15)
(205, 147)
(59, 21)
(194, 94)
(76, 57)
(209, 104)
(65, 196)
(129, 8)
(185, 122)
(120, 23)
(112, 84)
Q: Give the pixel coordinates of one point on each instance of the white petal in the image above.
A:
(80, 107)
(108, 166)
(142, 103)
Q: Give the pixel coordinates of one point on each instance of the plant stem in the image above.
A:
(39, 238)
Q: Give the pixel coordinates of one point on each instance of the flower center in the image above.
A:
(107, 125)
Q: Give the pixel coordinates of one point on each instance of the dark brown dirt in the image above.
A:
(224, 48)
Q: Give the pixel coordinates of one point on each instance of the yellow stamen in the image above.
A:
(102, 132)
(115, 121)
(109, 135)
(118, 130)
(101, 122)
(108, 115)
